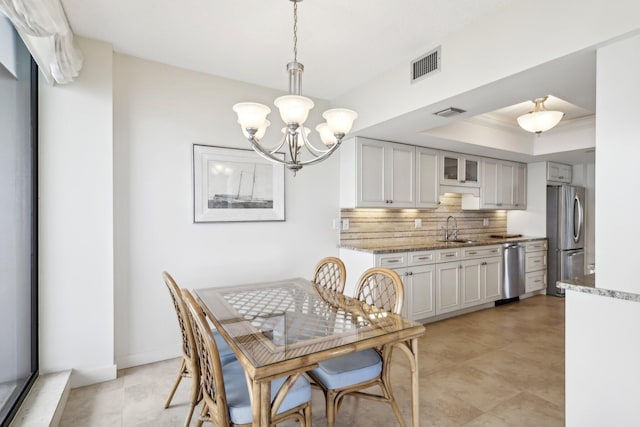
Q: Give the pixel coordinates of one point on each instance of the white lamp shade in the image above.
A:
(260, 133)
(327, 137)
(340, 120)
(251, 114)
(540, 121)
(294, 108)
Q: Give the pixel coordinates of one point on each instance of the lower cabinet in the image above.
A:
(418, 291)
(448, 287)
(437, 281)
(467, 283)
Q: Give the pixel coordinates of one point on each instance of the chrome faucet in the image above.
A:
(455, 231)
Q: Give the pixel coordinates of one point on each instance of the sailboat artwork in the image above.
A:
(234, 185)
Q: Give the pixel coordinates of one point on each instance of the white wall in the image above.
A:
(76, 221)
(602, 346)
(159, 112)
(617, 154)
(601, 369)
(533, 221)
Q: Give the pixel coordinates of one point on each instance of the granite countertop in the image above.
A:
(428, 245)
(587, 284)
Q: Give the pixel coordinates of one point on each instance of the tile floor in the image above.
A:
(498, 367)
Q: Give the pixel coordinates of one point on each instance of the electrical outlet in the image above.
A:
(345, 224)
(485, 222)
(418, 222)
(337, 224)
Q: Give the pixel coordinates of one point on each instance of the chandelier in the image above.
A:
(540, 119)
(294, 109)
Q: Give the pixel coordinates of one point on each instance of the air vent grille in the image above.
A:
(426, 65)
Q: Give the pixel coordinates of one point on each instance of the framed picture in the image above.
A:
(231, 184)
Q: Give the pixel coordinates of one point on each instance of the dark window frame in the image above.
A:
(23, 391)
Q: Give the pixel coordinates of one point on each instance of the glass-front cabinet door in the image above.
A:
(460, 170)
(471, 169)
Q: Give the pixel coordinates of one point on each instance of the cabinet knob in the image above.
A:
(411, 273)
(460, 267)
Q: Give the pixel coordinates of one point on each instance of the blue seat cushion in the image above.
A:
(354, 368)
(238, 400)
(226, 354)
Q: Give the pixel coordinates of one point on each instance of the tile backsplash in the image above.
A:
(378, 226)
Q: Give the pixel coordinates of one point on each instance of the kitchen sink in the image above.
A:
(458, 241)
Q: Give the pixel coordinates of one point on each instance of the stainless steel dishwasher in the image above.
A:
(513, 257)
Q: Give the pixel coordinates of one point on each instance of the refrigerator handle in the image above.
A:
(576, 233)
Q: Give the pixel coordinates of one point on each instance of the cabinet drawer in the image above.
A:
(535, 281)
(445, 255)
(480, 251)
(421, 258)
(537, 245)
(392, 260)
(535, 261)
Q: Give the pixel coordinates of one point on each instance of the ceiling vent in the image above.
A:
(448, 112)
(426, 65)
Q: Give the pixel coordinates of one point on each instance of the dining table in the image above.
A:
(285, 328)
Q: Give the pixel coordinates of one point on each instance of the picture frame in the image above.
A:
(233, 185)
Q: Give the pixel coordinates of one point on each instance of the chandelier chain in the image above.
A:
(295, 31)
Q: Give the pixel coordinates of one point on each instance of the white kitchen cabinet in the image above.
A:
(535, 265)
(427, 185)
(471, 283)
(521, 186)
(504, 185)
(459, 169)
(491, 270)
(448, 276)
(437, 281)
(384, 174)
(476, 278)
(419, 291)
(481, 281)
(559, 172)
(417, 271)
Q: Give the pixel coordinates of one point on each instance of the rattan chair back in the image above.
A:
(212, 381)
(330, 273)
(189, 366)
(381, 287)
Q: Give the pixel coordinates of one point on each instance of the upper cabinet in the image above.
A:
(427, 186)
(459, 170)
(558, 172)
(504, 185)
(384, 175)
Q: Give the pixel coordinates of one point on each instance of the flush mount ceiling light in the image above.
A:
(540, 119)
(294, 110)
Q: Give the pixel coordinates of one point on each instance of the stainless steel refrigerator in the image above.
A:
(565, 231)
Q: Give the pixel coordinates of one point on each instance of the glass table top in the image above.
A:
(279, 321)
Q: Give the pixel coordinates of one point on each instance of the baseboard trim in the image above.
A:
(138, 359)
(83, 377)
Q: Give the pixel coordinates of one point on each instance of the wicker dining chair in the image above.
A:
(189, 366)
(225, 395)
(350, 374)
(330, 273)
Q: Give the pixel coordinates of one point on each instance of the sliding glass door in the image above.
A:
(18, 221)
